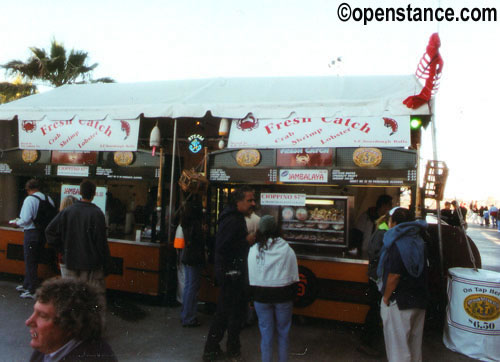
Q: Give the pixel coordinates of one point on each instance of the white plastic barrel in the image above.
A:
(473, 313)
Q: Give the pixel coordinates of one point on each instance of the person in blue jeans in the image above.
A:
(273, 276)
(193, 258)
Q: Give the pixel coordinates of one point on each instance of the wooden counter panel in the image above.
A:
(13, 240)
(337, 270)
(135, 282)
(138, 256)
(142, 268)
(340, 311)
(140, 273)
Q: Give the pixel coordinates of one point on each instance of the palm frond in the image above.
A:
(103, 80)
(56, 69)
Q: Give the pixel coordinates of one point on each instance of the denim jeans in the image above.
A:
(274, 316)
(190, 294)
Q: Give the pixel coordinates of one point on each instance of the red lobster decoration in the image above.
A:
(429, 68)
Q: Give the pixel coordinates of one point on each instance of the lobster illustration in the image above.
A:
(429, 68)
(392, 124)
(247, 124)
(126, 129)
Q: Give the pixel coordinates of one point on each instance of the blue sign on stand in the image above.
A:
(195, 143)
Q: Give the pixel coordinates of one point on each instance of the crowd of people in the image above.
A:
(484, 216)
(252, 263)
(68, 317)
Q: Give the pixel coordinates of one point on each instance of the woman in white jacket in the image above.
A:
(273, 275)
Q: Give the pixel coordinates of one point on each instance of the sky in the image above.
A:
(169, 39)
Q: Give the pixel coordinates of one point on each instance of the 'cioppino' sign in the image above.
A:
(320, 132)
(79, 135)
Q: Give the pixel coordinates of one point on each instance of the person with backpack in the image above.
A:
(37, 211)
(79, 233)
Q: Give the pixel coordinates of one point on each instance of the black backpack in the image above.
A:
(44, 215)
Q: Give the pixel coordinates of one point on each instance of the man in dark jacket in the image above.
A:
(231, 252)
(66, 323)
(79, 233)
(403, 269)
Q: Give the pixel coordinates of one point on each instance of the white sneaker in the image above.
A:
(20, 288)
(27, 294)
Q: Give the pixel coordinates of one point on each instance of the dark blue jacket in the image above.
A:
(231, 246)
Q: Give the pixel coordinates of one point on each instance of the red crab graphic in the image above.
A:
(125, 128)
(29, 126)
(390, 123)
(247, 124)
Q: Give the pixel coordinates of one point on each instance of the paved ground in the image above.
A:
(141, 331)
(487, 239)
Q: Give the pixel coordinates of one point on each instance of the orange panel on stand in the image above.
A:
(12, 256)
(140, 265)
(352, 272)
(340, 311)
(141, 270)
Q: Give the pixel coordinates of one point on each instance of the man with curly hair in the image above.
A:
(66, 324)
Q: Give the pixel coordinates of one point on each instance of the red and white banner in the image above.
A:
(79, 135)
(320, 132)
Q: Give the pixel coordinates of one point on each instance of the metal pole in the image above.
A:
(438, 202)
(418, 197)
(170, 206)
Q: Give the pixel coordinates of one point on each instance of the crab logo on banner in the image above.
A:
(29, 126)
(247, 124)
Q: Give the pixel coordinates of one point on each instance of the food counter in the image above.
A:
(316, 195)
(136, 266)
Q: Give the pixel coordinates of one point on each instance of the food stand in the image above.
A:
(318, 150)
(317, 171)
(316, 203)
(99, 132)
(123, 180)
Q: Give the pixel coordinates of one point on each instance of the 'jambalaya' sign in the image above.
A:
(320, 132)
(79, 135)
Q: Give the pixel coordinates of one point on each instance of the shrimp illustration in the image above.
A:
(392, 124)
(125, 128)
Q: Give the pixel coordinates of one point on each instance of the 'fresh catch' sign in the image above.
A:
(79, 135)
(320, 132)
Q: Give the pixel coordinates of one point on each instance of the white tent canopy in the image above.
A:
(235, 98)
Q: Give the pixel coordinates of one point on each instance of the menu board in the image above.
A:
(372, 177)
(261, 175)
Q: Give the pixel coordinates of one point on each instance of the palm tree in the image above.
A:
(15, 90)
(55, 69)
